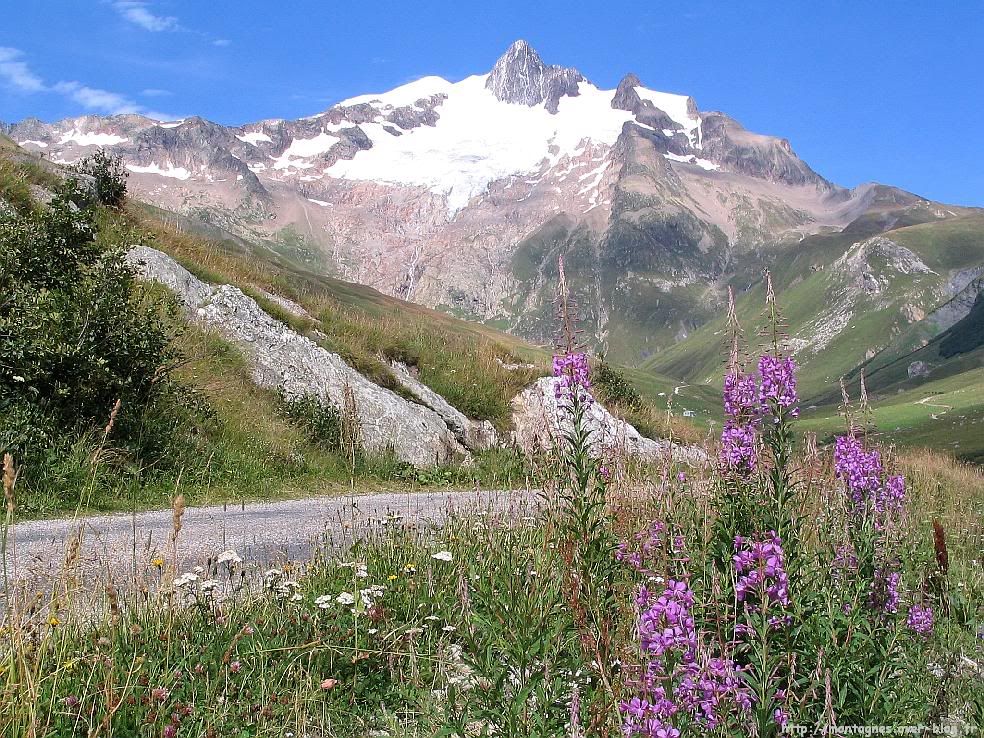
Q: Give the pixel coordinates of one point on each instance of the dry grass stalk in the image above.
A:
(112, 419)
(9, 477)
(939, 546)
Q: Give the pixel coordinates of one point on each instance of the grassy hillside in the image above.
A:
(848, 309)
(225, 439)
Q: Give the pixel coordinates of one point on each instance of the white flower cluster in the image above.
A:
(280, 586)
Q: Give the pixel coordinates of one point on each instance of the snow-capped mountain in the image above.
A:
(462, 194)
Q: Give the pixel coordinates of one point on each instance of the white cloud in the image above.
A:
(93, 98)
(221, 42)
(154, 92)
(15, 73)
(138, 13)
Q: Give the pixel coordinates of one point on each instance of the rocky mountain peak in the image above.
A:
(520, 76)
(626, 97)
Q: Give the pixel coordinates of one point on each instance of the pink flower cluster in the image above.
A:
(708, 689)
(666, 623)
(920, 620)
(864, 475)
(747, 400)
(778, 384)
(573, 373)
(885, 590)
(646, 543)
(761, 571)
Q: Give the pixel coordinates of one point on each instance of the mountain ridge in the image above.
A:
(462, 195)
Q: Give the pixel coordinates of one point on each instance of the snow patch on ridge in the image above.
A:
(171, 171)
(304, 148)
(92, 139)
(702, 163)
(403, 95)
(254, 137)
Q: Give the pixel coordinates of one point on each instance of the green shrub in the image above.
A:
(110, 177)
(321, 422)
(77, 334)
(614, 386)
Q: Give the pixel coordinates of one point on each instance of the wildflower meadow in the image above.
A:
(782, 583)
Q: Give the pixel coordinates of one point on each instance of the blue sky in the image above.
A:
(870, 90)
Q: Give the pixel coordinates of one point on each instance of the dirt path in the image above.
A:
(116, 547)
(935, 416)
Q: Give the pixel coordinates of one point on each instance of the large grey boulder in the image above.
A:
(476, 435)
(282, 359)
(540, 422)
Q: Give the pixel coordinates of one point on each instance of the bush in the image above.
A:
(77, 334)
(109, 174)
(614, 386)
(321, 422)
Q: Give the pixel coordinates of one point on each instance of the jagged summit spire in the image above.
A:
(520, 76)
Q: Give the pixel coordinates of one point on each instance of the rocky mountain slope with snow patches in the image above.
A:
(463, 194)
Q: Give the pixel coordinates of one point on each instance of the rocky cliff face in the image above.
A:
(521, 77)
(462, 195)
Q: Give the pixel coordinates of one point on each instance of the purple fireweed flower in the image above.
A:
(778, 384)
(885, 591)
(741, 396)
(573, 377)
(666, 623)
(762, 570)
(646, 543)
(860, 470)
(863, 474)
(738, 447)
(920, 620)
(709, 690)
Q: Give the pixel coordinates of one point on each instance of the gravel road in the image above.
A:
(114, 547)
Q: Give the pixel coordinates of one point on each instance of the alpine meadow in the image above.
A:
(510, 405)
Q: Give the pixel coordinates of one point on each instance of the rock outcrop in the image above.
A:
(539, 422)
(283, 360)
(520, 76)
(476, 435)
